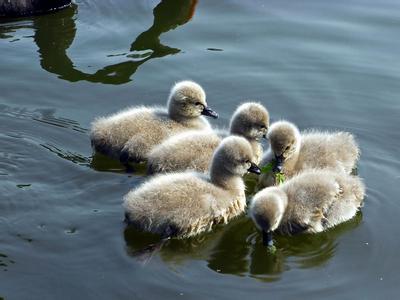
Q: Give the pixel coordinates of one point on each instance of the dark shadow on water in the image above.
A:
(76, 158)
(175, 251)
(242, 243)
(237, 249)
(54, 34)
(103, 163)
(5, 262)
(98, 161)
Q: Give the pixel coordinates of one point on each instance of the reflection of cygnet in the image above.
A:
(188, 203)
(132, 133)
(194, 149)
(310, 202)
(294, 152)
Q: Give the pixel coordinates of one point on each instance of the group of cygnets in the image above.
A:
(200, 169)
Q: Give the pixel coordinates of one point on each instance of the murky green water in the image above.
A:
(330, 65)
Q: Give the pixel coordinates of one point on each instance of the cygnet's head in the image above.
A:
(267, 209)
(250, 120)
(187, 100)
(234, 156)
(284, 139)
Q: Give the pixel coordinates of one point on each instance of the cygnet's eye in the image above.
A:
(248, 161)
(198, 104)
(287, 148)
(263, 127)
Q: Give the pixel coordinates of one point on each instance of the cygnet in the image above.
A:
(311, 202)
(131, 133)
(292, 152)
(186, 204)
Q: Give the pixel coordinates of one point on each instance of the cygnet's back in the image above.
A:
(336, 150)
(185, 204)
(146, 124)
(193, 149)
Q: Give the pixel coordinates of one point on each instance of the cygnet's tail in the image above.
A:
(348, 148)
(358, 189)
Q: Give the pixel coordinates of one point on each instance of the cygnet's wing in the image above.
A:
(190, 150)
(311, 194)
(182, 201)
(347, 201)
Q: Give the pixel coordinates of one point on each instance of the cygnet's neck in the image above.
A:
(185, 120)
(225, 179)
(174, 115)
(291, 162)
(254, 143)
(235, 129)
(281, 202)
(257, 150)
(188, 121)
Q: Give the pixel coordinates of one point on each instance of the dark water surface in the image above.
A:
(331, 65)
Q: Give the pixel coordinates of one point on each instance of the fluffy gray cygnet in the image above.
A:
(293, 152)
(131, 133)
(188, 203)
(194, 149)
(311, 201)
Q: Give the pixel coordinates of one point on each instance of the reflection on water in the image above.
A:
(8, 29)
(174, 251)
(100, 162)
(237, 249)
(168, 15)
(103, 163)
(55, 33)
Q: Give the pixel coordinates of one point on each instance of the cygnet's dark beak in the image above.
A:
(254, 169)
(209, 112)
(278, 164)
(267, 238)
